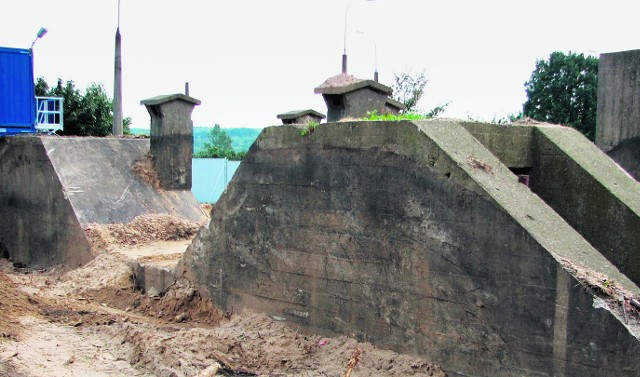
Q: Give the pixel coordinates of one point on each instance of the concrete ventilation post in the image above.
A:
(172, 138)
(301, 117)
(348, 97)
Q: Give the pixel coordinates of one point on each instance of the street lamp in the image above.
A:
(344, 51)
(375, 54)
(41, 33)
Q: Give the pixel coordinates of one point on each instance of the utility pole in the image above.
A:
(117, 83)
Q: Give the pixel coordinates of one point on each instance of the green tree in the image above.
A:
(219, 146)
(408, 89)
(564, 90)
(85, 114)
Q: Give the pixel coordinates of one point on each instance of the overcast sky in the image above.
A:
(249, 60)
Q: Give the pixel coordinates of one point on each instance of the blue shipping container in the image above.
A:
(17, 96)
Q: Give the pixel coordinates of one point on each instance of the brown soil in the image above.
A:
(145, 169)
(90, 321)
(181, 303)
(142, 230)
(14, 304)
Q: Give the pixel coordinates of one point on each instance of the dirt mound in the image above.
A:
(145, 169)
(254, 344)
(105, 270)
(527, 121)
(13, 304)
(114, 330)
(142, 230)
(91, 321)
(181, 303)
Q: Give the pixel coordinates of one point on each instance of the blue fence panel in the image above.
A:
(210, 176)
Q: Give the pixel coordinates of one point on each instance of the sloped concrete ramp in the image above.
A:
(583, 185)
(415, 237)
(52, 187)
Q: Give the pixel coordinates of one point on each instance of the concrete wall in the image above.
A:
(513, 145)
(38, 226)
(579, 182)
(415, 237)
(52, 187)
(592, 193)
(618, 113)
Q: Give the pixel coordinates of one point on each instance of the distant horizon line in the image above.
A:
(252, 128)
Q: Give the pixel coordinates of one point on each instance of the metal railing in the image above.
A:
(49, 114)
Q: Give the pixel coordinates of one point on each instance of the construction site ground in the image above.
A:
(92, 322)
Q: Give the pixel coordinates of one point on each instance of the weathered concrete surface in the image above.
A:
(97, 176)
(627, 154)
(153, 278)
(618, 111)
(52, 187)
(348, 97)
(582, 184)
(38, 226)
(415, 237)
(172, 138)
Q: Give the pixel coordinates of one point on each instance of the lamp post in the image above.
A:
(117, 83)
(41, 33)
(375, 54)
(344, 51)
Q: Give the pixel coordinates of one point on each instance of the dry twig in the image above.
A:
(353, 361)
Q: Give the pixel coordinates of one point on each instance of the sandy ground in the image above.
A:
(91, 322)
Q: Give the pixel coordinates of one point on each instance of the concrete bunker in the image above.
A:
(54, 187)
(593, 194)
(416, 237)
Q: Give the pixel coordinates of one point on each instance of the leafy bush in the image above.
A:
(85, 114)
(311, 126)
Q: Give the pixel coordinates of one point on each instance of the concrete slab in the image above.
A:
(97, 177)
(154, 265)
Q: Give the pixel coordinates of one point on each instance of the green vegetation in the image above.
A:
(311, 126)
(219, 146)
(564, 90)
(506, 120)
(408, 88)
(88, 114)
(373, 115)
(241, 138)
